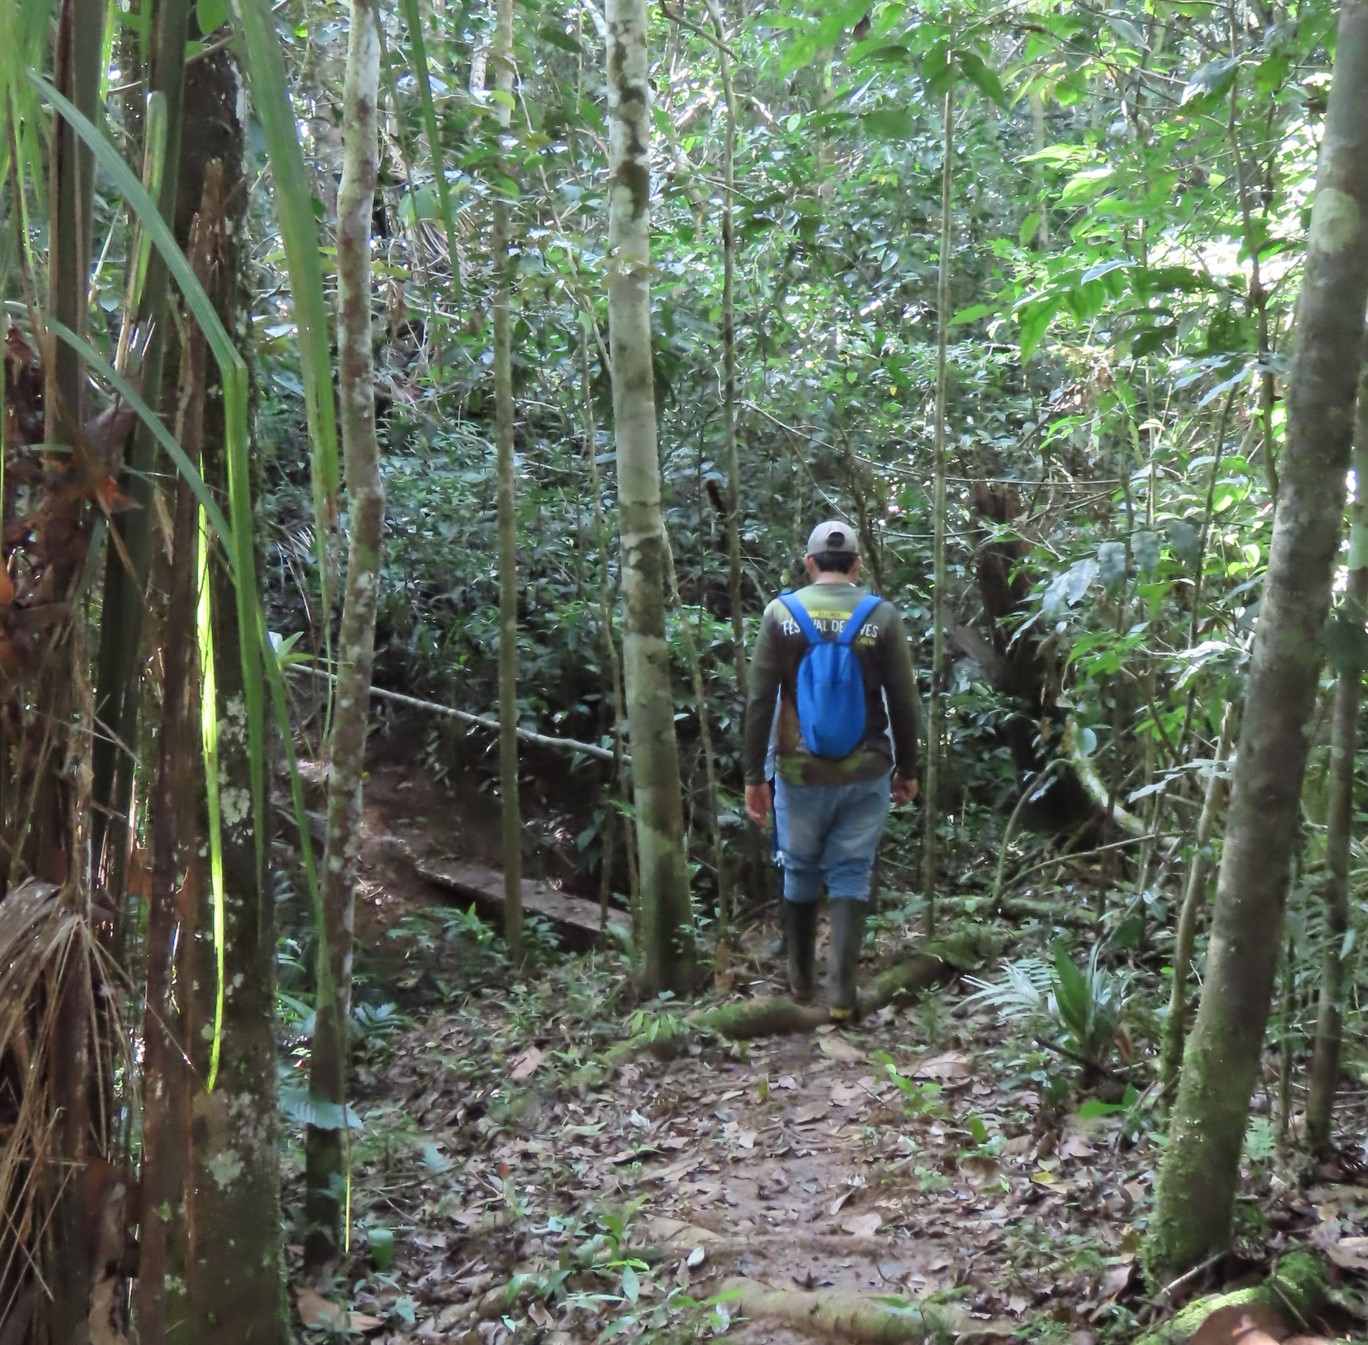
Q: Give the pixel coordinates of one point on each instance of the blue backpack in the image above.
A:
(831, 690)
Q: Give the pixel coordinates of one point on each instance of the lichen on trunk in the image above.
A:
(665, 939)
(356, 643)
(1197, 1179)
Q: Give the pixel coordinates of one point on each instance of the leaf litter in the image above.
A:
(923, 1154)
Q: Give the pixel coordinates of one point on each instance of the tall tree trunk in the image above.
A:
(55, 755)
(1198, 1177)
(173, 909)
(935, 720)
(235, 1273)
(1325, 1057)
(665, 939)
(356, 646)
(508, 521)
(754, 839)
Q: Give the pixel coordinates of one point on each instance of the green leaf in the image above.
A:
(558, 37)
(1034, 319)
(1085, 185)
(1030, 227)
(1093, 1108)
(1210, 80)
(984, 78)
(302, 1109)
(971, 314)
(293, 200)
(1072, 995)
(802, 51)
(211, 15)
(631, 1284)
(381, 1247)
(889, 123)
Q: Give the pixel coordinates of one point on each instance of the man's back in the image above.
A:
(881, 647)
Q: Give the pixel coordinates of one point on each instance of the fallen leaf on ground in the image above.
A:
(950, 1065)
(810, 1114)
(317, 1314)
(1075, 1146)
(525, 1064)
(1117, 1278)
(838, 1048)
(1349, 1253)
(981, 1168)
(863, 1225)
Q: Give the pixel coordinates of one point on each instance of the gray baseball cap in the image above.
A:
(833, 536)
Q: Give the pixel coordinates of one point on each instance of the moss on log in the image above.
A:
(772, 1015)
(842, 1315)
(1295, 1292)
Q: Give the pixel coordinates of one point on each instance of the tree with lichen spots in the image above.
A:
(1197, 1180)
(664, 940)
(356, 642)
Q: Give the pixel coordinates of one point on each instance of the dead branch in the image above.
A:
(431, 707)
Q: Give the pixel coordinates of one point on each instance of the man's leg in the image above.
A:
(852, 845)
(799, 824)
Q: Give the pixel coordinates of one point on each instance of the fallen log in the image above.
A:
(575, 919)
(845, 1316)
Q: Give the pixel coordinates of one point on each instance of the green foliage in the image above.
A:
(1083, 1005)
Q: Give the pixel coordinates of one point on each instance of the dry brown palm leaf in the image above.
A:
(46, 947)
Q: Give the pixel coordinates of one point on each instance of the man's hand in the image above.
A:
(905, 789)
(759, 799)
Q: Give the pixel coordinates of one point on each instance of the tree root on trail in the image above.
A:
(842, 1315)
(772, 1015)
(1288, 1299)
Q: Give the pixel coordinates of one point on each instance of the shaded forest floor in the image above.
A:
(928, 1155)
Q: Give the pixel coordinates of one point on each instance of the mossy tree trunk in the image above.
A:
(356, 643)
(233, 1252)
(1198, 1177)
(1325, 1057)
(664, 937)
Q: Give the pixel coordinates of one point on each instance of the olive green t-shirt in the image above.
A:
(886, 663)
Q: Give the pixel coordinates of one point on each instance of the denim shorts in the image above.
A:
(829, 833)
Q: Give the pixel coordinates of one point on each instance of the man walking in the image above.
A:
(832, 783)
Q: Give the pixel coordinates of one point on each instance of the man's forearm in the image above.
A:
(759, 718)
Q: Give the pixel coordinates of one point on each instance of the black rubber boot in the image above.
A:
(847, 938)
(800, 933)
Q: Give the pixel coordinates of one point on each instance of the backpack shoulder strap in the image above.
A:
(863, 609)
(800, 614)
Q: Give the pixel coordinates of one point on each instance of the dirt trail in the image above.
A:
(927, 1152)
(803, 1162)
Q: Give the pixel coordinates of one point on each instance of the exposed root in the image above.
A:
(1290, 1297)
(771, 1016)
(844, 1316)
